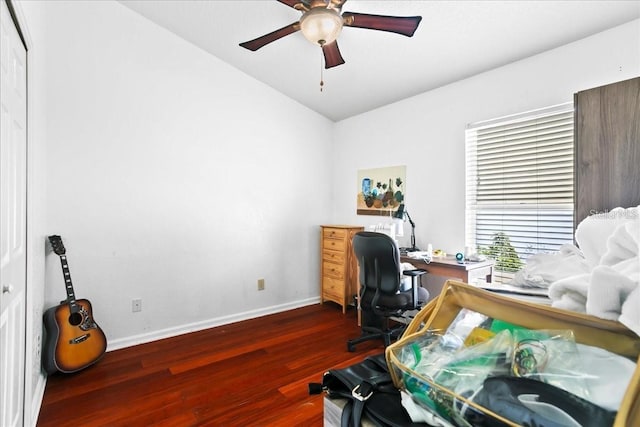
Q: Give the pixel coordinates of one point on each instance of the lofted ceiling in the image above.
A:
(455, 40)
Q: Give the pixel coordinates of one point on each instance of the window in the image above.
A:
(519, 187)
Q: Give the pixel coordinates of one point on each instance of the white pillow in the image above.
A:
(593, 231)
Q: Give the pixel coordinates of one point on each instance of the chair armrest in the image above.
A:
(415, 273)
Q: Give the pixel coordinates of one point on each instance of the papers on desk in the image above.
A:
(421, 255)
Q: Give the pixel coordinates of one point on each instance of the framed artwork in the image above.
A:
(380, 191)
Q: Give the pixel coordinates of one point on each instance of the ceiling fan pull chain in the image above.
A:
(321, 71)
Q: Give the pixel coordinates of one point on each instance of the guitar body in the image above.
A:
(73, 341)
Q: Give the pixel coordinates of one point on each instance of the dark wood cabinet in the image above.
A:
(607, 148)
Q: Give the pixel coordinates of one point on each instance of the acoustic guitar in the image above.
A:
(73, 340)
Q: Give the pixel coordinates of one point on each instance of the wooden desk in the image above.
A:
(448, 267)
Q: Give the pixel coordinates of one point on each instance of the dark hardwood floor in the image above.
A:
(250, 373)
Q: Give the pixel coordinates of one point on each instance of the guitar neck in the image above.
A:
(71, 296)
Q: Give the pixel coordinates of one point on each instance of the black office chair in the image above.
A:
(380, 280)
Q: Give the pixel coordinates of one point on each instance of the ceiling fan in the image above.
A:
(321, 23)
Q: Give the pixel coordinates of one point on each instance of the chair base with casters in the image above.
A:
(375, 327)
(376, 322)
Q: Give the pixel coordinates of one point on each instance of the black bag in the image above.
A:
(503, 395)
(369, 390)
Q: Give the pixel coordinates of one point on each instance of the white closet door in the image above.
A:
(13, 185)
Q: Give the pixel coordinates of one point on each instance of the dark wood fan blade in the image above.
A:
(332, 57)
(405, 25)
(256, 44)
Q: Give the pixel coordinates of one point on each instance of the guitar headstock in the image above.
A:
(57, 245)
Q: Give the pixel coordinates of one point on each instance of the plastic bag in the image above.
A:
(452, 366)
(550, 357)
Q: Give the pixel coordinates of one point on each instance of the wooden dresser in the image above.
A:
(339, 267)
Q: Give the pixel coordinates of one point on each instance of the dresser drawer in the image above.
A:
(332, 287)
(333, 256)
(332, 270)
(334, 244)
(334, 233)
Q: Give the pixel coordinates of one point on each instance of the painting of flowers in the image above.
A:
(380, 191)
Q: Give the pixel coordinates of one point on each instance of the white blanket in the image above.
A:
(610, 288)
(570, 293)
(545, 268)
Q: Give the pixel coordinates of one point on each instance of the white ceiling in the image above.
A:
(455, 40)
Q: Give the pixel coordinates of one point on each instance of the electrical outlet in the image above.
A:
(136, 305)
(261, 284)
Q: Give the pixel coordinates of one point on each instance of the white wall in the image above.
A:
(174, 178)
(426, 132)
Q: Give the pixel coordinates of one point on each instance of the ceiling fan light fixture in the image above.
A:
(321, 25)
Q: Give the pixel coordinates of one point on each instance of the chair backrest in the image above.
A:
(378, 251)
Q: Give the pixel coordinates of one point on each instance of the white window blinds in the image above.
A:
(519, 187)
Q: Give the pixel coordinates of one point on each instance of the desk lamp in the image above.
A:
(400, 214)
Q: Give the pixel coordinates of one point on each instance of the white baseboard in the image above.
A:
(210, 323)
(36, 401)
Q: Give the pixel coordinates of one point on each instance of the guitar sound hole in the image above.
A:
(75, 319)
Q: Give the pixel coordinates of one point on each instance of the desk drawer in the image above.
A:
(332, 270)
(334, 233)
(333, 256)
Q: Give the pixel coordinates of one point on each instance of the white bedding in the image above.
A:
(604, 281)
(601, 276)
